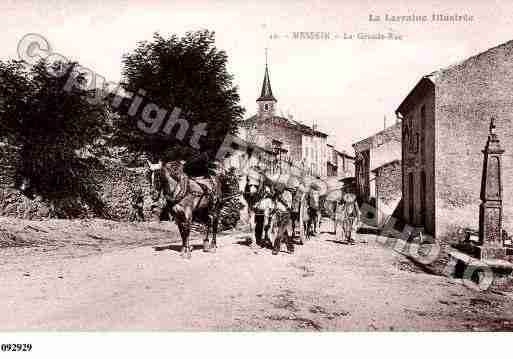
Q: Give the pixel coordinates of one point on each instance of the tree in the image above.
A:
(52, 125)
(187, 75)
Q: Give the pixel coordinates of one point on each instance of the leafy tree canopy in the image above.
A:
(53, 126)
(188, 73)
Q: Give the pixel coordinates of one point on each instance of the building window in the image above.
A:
(266, 107)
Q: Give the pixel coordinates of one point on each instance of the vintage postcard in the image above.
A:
(224, 166)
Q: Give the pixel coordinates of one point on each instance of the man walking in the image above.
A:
(349, 216)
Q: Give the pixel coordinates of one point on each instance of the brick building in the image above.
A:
(372, 152)
(444, 130)
(288, 139)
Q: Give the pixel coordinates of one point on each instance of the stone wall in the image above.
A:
(388, 190)
(467, 96)
(116, 185)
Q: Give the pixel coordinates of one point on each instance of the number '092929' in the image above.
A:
(16, 347)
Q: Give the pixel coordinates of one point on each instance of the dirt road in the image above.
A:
(129, 285)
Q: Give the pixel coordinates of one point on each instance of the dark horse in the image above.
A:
(188, 199)
(313, 204)
(299, 214)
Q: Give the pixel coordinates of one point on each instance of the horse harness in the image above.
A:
(183, 189)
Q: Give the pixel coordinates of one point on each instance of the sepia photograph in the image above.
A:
(254, 168)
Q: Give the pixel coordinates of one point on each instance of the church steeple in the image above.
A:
(267, 93)
(266, 101)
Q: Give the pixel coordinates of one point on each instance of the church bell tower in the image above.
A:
(266, 102)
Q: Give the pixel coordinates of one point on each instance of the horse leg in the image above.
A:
(206, 246)
(182, 227)
(186, 228)
(289, 240)
(275, 232)
(187, 231)
(293, 225)
(252, 228)
(215, 223)
(301, 222)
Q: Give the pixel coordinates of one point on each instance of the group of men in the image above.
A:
(345, 215)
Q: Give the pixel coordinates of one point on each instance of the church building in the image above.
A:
(289, 140)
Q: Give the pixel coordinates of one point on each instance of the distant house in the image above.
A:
(444, 129)
(371, 153)
(288, 139)
(339, 163)
(376, 168)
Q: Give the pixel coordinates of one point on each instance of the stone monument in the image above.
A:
(490, 210)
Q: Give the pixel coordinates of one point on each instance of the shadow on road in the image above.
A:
(177, 247)
(368, 230)
(337, 241)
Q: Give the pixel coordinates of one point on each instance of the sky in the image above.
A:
(345, 86)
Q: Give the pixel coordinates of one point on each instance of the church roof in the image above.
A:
(267, 92)
(289, 123)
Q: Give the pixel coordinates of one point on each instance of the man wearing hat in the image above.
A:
(349, 214)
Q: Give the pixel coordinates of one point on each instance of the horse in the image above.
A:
(257, 193)
(188, 199)
(304, 220)
(313, 211)
(348, 215)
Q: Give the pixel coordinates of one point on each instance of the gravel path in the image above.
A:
(326, 285)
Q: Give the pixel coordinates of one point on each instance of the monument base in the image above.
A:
(462, 265)
(485, 252)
